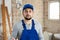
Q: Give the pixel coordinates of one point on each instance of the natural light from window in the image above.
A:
(53, 10)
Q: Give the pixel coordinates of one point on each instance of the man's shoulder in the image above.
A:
(37, 24)
(18, 24)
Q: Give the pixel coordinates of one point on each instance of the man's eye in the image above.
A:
(29, 11)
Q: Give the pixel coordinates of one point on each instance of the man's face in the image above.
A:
(28, 13)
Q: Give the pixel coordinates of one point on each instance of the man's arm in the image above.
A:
(14, 32)
(41, 33)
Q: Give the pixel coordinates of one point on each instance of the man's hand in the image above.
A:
(13, 38)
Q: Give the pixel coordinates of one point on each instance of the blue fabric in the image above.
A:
(28, 6)
(29, 34)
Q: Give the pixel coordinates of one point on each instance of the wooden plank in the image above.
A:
(3, 2)
(8, 17)
(4, 23)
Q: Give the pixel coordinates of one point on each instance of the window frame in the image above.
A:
(49, 9)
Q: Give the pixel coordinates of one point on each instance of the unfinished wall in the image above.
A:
(52, 25)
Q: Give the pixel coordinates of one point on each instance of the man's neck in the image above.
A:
(27, 21)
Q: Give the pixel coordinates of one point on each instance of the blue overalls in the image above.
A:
(29, 34)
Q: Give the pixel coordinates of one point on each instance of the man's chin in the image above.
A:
(28, 18)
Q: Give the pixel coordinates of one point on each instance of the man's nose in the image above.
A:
(27, 12)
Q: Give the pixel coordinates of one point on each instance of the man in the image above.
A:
(27, 28)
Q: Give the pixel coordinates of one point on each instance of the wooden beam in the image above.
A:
(3, 2)
(8, 17)
(4, 20)
(4, 23)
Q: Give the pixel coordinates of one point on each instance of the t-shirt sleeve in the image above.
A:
(15, 31)
(39, 29)
(41, 33)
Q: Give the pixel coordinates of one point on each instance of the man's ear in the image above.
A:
(33, 11)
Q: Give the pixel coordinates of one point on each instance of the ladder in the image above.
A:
(5, 16)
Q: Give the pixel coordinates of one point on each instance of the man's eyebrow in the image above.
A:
(25, 10)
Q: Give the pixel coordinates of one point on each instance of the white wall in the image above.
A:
(0, 2)
(8, 4)
(0, 17)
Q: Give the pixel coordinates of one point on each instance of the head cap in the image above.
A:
(28, 6)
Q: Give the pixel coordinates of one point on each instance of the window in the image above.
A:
(53, 10)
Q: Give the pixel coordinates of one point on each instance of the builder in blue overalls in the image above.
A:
(27, 28)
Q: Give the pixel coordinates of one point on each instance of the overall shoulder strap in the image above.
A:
(23, 24)
(33, 24)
